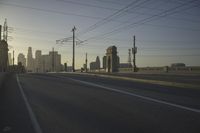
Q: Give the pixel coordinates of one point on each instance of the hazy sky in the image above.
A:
(167, 31)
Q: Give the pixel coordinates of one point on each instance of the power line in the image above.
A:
(36, 31)
(49, 11)
(151, 18)
(87, 5)
(112, 16)
(172, 27)
(148, 19)
(111, 2)
(92, 17)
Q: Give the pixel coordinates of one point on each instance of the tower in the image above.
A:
(112, 60)
(21, 58)
(38, 61)
(30, 61)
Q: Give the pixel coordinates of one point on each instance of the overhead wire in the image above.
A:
(148, 19)
(116, 14)
(49, 11)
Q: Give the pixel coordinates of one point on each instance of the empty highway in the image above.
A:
(72, 103)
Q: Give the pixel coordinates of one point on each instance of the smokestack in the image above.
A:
(0, 32)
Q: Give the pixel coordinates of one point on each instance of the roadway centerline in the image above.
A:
(135, 95)
(34, 121)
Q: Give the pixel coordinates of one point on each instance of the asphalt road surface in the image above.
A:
(70, 103)
(171, 77)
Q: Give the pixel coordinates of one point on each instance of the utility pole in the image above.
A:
(73, 58)
(86, 62)
(134, 51)
(129, 58)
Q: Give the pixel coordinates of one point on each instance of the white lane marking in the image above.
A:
(139, 96)
(34, 121)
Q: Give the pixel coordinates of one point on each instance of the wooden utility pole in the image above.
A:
(134, 51)
(73, 58)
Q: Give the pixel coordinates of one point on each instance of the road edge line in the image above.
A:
(139, 96)
(34, 121)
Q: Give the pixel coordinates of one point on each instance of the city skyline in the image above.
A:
(167, 39)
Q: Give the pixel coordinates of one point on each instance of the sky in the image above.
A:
(167, 31)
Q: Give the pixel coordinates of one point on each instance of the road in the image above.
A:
(70, 103)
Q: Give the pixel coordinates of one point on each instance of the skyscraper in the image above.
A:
(104, 62)
(21, 58)
(98, 63)
(30, 60)
(95, 65)
(55, 61)
(38, 61)
(9, 59)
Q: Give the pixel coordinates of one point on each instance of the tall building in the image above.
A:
(55, 60)
(3, 56)
(30, 60)
(98, 65)
(10, 59)
(104, 62)
(112, 60)
(51, 62)
(21, 58)
(45, 63)
(38, 61)
(95, 65)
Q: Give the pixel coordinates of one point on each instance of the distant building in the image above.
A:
(55, 60)
(69, 69)
(3, 55)
(112, 60)
(46, 63)
(10, 59)
(98, 65)
(21, 58)
(51, 62)
(30, 60)
(95, 65)
(125, 65)
(84, 67)
(38, 61)
(178, 65)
